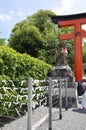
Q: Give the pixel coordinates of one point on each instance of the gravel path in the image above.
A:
(38, 117)
(72, 119)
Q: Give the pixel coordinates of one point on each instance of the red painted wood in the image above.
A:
(77, 36)
(76, 21)
(83, 33)
(67, 36)
(78, 53)
(71, 22)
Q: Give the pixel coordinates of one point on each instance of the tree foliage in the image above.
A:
(38, 36)
(41, 19)
(26, 39)
(34, 35)
(2, 41)
(84, 52)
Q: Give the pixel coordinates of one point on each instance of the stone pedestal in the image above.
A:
(64, 71)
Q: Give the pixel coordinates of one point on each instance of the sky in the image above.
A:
(14, 11)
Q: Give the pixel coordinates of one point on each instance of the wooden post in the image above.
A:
(66, 97)
(50, 104)
(29, 120)
(60, 99)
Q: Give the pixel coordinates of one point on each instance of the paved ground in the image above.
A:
(72, 119)
(38, 117)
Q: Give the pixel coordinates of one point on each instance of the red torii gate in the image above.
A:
(75, 20)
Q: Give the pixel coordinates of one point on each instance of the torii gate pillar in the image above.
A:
(75, 20)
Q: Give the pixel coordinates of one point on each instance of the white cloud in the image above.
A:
(20, 13)
(11, 15)
(11, 12)
(5, 17)
(65, 5)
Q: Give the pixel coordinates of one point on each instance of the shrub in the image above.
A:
(21, 66)
(14, 68)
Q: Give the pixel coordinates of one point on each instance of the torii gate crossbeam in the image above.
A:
(75, 20)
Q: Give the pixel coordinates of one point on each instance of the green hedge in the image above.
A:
(20, 66)
(17, 67)
(13, 100)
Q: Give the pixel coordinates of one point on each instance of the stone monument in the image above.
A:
(62, 70)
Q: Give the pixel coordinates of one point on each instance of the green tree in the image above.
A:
(2, 41)
(41, 19)
(84, 52)
(37, 35)
(49, 32)
(34, 35)
(26, 39)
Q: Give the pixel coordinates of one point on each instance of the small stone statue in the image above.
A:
(61, 59)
